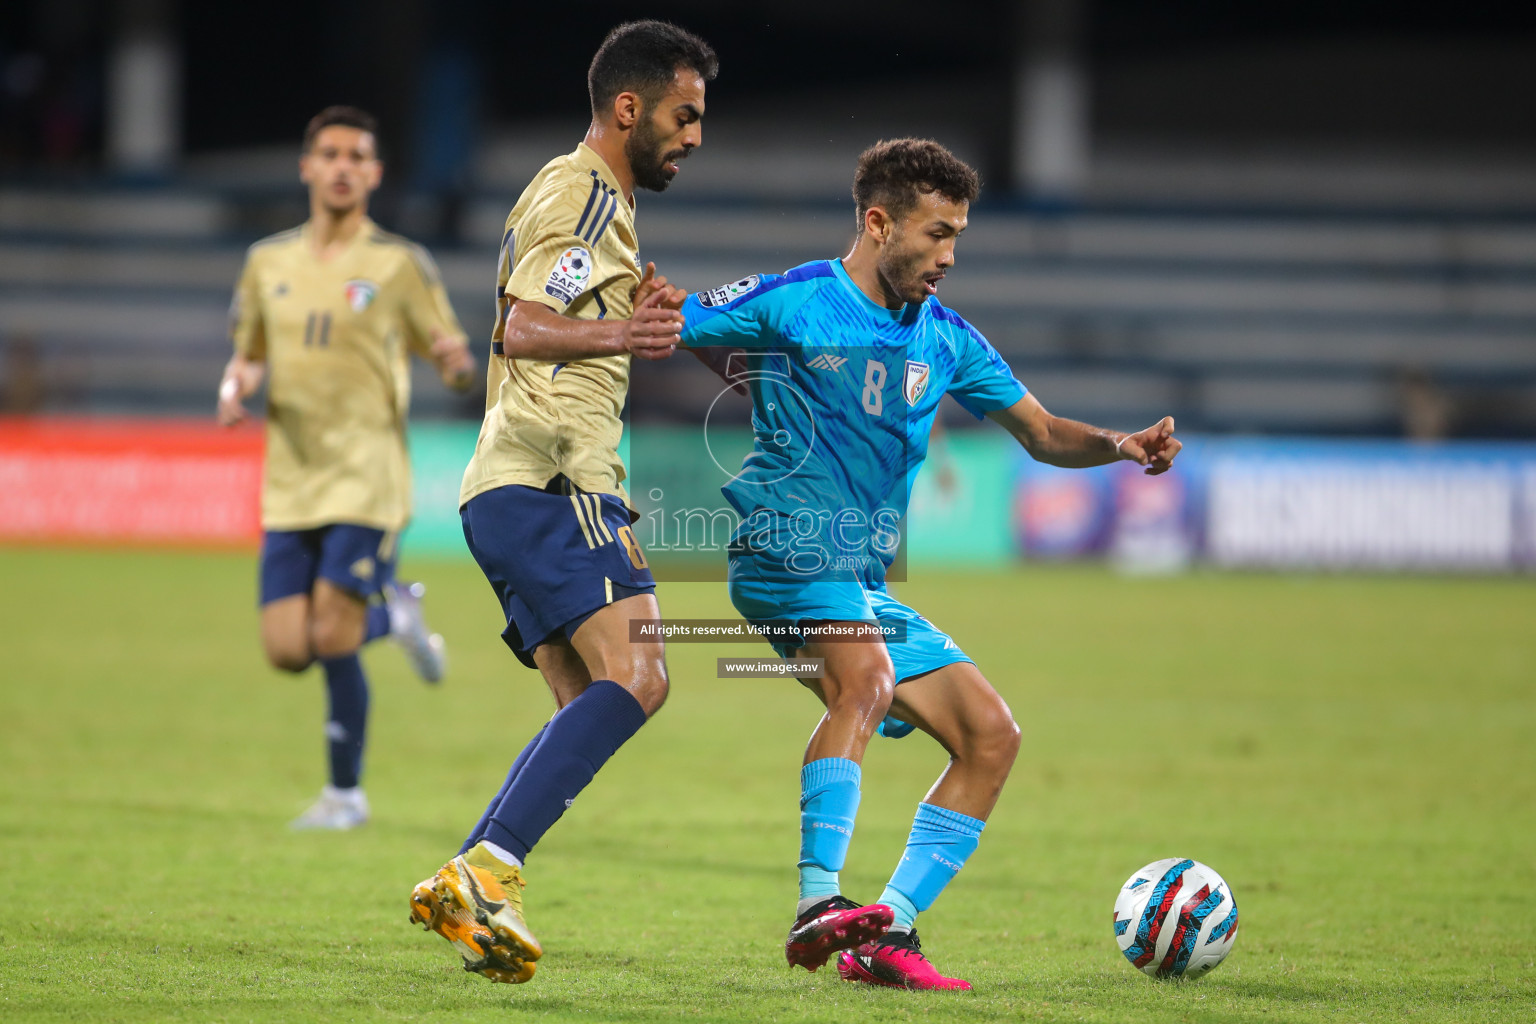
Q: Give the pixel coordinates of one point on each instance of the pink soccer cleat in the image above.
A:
(833, 924)
(895, 961)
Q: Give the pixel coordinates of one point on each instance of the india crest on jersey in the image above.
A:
(916, 382)
(360, 293)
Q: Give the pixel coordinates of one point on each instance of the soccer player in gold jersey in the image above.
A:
(543, 503)
(329, 314)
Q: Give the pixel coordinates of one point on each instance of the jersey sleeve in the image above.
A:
(428, 313)
(556, 266)
(982, 381)
(735, 315)
(247, 332)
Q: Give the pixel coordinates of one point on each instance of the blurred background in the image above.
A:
(1307, 230)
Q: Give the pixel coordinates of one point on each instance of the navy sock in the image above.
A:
(378, 621)
(347, 726)
(478, 832)
(577, 742)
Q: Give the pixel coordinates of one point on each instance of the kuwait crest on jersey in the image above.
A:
(915, 384)
(360, 293)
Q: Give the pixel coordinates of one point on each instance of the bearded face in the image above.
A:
(921, 248)
(652, 163)
(908, 269)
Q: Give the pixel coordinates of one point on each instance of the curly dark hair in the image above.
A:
(893, 172)
(350, 117)
(643, 57)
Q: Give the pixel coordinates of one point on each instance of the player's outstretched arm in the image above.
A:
(1063, 442)
(534, 331)
(242, 378)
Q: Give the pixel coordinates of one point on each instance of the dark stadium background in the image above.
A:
(1346, 113)
(1303, 221)
(1311, 73)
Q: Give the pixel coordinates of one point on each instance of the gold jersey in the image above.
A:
(336, 336)
(570, 244)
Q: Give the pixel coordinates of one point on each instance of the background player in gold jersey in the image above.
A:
(543, 503)
(329, 314)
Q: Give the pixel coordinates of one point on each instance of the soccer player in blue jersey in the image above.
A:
(847, 363)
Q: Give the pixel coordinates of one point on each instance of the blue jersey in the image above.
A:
(844, 391)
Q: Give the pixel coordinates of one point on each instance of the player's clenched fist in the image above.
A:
(1153, 448)
(656, 326)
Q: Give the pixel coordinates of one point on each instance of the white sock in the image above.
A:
(807, 904)
(502, 855)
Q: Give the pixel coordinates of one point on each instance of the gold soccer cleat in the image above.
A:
(476, 903)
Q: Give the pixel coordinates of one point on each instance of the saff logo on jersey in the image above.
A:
(827, 361)
(728, 292)
(360, 293)
(572, 272)
(916, 382)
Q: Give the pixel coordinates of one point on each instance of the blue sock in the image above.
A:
(347, 726)
(829, 801)
(577, 742)
(478, 832)
(378, 621)
(937, 849)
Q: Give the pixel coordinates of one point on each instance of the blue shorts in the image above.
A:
(358, 559)
(554, 557)
(764, 591)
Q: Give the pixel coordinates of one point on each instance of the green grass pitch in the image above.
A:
(1355, 755)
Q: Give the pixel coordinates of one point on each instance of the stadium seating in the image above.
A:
(116, 301)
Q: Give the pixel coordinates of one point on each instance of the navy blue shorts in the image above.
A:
(359, 559)
(554, 557)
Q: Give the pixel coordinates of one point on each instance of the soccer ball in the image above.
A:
(1175, 919)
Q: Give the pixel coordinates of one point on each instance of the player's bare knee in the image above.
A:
(866, 694)
(653, 696)
(288, 658)
(285, 639)
(335, 649)
(1008, 741)
(651, 686)
(994, 743)
(645, 677)
(882, 690)
(334, 638)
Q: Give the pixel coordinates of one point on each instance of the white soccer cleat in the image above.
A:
(408, 628)
(337, 810)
